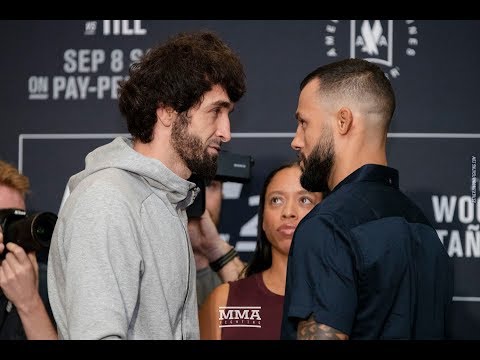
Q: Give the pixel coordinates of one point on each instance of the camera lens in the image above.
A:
(42, 227)
(32, 232)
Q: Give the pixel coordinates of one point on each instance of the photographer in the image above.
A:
(20, 274)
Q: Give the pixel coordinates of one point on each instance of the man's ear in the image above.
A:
(344, 120)
(166, 115)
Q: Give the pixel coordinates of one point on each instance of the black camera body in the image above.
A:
(234, 167)
(231, 167)
(31, 232)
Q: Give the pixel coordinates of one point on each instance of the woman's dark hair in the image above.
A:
(262, 256)
(177, 74)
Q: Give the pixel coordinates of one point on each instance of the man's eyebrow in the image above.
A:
(222, 103)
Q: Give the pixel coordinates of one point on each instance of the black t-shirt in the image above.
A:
(366, 262)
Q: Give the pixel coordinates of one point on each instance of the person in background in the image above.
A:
(121, 264)
(259, 295)
(209, 247)
(20, 273)
(366, 263)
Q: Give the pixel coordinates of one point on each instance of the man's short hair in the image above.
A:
(358, 80)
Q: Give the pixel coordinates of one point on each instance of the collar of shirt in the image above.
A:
(371, 172)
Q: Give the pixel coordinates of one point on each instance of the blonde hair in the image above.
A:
(9, 176)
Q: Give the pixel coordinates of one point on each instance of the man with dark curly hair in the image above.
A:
(121, 264)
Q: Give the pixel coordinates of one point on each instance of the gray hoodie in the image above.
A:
(120, 263)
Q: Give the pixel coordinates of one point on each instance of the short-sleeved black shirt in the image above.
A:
(366, 262)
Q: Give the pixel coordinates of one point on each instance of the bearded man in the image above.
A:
(121, 264)
(365, 263)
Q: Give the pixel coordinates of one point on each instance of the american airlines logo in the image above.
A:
(240, 316)
(372, 40)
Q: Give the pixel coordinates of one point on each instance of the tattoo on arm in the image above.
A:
(311, 330)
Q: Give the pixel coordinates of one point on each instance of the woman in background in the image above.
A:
(251, 308)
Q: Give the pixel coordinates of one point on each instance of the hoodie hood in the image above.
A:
(120, 154)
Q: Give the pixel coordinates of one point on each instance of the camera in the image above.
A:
(230, 167)
(234, 167)
(31, 232)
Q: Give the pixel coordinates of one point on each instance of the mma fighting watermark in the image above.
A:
(240, 316)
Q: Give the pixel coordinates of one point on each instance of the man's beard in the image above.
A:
(318, 166)
(191, 149)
